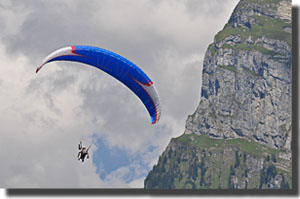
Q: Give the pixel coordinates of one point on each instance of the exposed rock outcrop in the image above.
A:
(240, 134)
(246, 89)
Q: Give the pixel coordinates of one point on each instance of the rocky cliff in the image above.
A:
(244, 114)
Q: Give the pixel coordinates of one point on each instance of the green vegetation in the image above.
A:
(204, 141)
(270, 27)
(160, 178)
(228, 46)
(212, 50)
(242, 32)
(273, 28)
(251, 72)
(201, 162)
(256, 31)
(265, 51)
(230, 68)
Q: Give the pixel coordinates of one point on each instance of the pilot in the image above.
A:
(83, 152)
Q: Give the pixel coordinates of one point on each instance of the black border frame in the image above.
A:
(294, 191)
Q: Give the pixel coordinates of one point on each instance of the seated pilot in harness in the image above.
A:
(84, 152)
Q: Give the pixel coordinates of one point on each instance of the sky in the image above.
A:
(45, 115)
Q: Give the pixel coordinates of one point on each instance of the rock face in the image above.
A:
(246, 90)
(246, 98)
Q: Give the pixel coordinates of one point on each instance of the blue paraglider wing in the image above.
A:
(117, 66)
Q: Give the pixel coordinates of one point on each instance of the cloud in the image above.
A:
(44, 116)
(38, 141)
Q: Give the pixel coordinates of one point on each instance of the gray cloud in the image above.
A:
(50, 112)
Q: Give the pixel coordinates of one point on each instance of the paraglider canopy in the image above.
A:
(118, 67)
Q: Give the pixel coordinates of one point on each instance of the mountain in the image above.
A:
(240, 134)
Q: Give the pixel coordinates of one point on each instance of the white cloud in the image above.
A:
(44, 116)
(38, 144)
